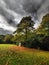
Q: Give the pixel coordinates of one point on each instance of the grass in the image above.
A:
(14, 55)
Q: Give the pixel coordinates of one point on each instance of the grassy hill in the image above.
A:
(14, 55)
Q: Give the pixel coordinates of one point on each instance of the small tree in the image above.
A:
(8, 38)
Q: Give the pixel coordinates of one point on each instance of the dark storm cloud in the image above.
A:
(25, 7)
(36, 8)
(14, 10)
(32, 6)
(44, 9)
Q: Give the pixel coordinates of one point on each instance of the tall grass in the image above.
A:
(14, 57)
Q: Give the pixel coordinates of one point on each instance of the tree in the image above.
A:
(24, 30)
(19, 38)
(44, 26)
(43, 33)
(8, 38)
(2, 39)
(25, 25)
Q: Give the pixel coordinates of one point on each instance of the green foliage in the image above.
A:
(8, 38)
(25, 25)
(43, 32)
(26, 22)
(19, 37)
(2, 39)
(44, 27)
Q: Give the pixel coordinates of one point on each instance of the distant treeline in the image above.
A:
(6, 39)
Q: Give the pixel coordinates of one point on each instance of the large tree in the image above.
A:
(25, 26)
(44, 26)
(43, 32)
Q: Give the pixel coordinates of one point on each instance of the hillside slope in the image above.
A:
(14, 55)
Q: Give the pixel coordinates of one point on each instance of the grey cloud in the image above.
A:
(32, 6)
(44, 8)
(26, 7)
(15, 5)
(3, 31)
(14, 10)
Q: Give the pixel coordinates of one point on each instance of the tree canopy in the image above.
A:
(44, 26)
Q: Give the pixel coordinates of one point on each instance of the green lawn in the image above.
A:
(9, 56)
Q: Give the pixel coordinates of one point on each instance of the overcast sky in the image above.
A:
(12, 11)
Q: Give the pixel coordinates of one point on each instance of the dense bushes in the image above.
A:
(40, 42)
(6, 39)
(45, 43)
